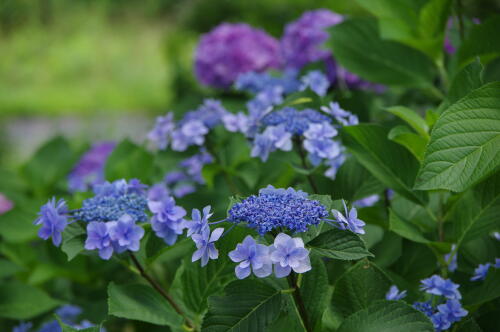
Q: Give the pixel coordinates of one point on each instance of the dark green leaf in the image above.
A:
(7, 268)
(481, 41)
(466, 80)
(67, 328)
(339, 244)
(314, 291)
(128, 161)
(405, 228)
(248, 306)
(487, 290)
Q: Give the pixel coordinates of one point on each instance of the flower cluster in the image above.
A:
(445, 309)
(168, 218)
(89, 170)
(278, 208)
(231, 49)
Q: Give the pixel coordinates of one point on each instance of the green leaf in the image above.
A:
(17, 225)
(248, 305)
(67, 328)
(359, 287)
(73, 240)
(412, 118)
(411, 141)
(7, 268)
(387, 62)
(339, 244)
(487, 290)
(481, 41)
(468, 325)
(466, 80)
(389, 162)
(405, 228)
(477, 211)
(20, 301)
(387, 316)
(464, 143)
(314, 292)
(128, 161)
(141, 302)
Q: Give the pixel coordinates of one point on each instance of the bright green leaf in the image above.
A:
(339, 244)
(411, 141)
(412, 118)
(481, 40)
(73, 240)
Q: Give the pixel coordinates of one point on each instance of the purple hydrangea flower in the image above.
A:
(273, 137)
(295, 122)
(98, 237)
(126, 234)
(158, 192)
(316, 81)
(342, 116)
(269, 97)
(190, 133)
(319, 144)
(236, 122)
(161, 134)
(303, 39)
(480, 272)
(289, 254)
(194, 165)
(168, 219)
(232, 49)
(440, 321)
(135, 186)
(183, 190)
(350, 221)
(254, 82)
(5, 204)
(53, 217)
(443, 287)
(394, 294)
(210, 113)
(452, 263)
(251, 256)
(276, 208)
(452, 310)
(90, 168)
(205, 245)
(174, 177)
(198, 221)
(367, 201)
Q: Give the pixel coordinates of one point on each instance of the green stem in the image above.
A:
(299, 302)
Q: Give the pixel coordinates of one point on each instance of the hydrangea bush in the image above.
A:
(354, 187)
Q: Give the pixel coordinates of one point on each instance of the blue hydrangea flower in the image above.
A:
(254, 82)
(342, 116)
(135, 186)
(444, 287)
(350, 221)
(394, 294)
(452, 310)
(452, 265)
(205, 245)
(334, 165)
(158, 192)
(210, 113)
(236, 122)
(53, 217)
(319, 144)
(23, 327)
(198, 221)
(194, 165)
(68, 313)
(425, 307)
(98, 237)
(168, 219)
(161, 133)
(190, 133)
(275, 208)
(126, 234)
(273, 137)
(174, 177)
(316, 81)
(367, 201)
(268, 97)
(51, 326)
(289, 254)
(440, 321)
(480, 272)
(109, 208)
(295, 122)
(251, 256)
(183, 190)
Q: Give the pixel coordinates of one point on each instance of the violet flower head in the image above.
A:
(126, 234)
(98, 237)
(205, 245)
(273, 138)
(168, 219)
(232, 49)
(89, 170)
(425, 307)
(190, 133)
(481, 272)
(210, 113)
(5, 204)
(278, 208)
(318, 142)
(443, 287)
(303, 39)
(161, 133)
(394, 294)
(198, 221)
(53, 217)
(350, 221)
(194, 165)
(295, 121)
(316, 81)
(452, 310)
(289, 254)
(251, 256)
(158, 192)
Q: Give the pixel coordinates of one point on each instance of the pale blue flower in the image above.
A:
(350, 221)
(251, 256)
(98, 237)
(289, 254)
(53, 217)
(480, 272)
(440, 321)
(160, 135)
(316, 81)
(342, 116)
(168, 219)
(199, 221)
(443, 287)
(126, 234)
(205, 245)
(236, 122)
(273, 137)
(452, 310)
(367, 201)
(394, 294)
(190, 133)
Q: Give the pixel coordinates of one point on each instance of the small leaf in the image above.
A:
(411, 141)
(339, 244)
(412, 118)
(74, 237)
(248, 306)
(387, 316)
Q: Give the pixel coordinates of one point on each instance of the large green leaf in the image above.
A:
(466, 80)
(20, 301)
(359, 287)
(387, 316)
(141, 302)
(339, 244)
(387, 62)
(248, 306)
(129, 160)
(389, 162)
(482, 40)
(314, 292)
(412, 118)
(464, 143)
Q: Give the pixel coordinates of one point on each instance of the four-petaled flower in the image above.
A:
(205, 245)
(289, 254)
(350, 221)
(251, 256)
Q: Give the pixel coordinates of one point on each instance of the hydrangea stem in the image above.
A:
(160, 290)
(297, 297)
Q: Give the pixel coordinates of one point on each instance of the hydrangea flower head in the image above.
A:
(452, 310)
(194, 165)
(480, 272)
(251, 256)
(126, 233)
(350, 221)
(394, 294)
(275, 208)
(112, 207)
(236, 122)
(89, 170)
(425, 307)
(303, 39)
(273, 138)
(68, 313)
(161, 133)
(440, 321)
(316, 81)
(198, 221)
(443, 287)
(342, 116)
(53, 217)
(189, 133)
(168, 219)
(232, 49)
(295, 122)
(289, 254)
(98, 237)
(205, 245)
(210, 113)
